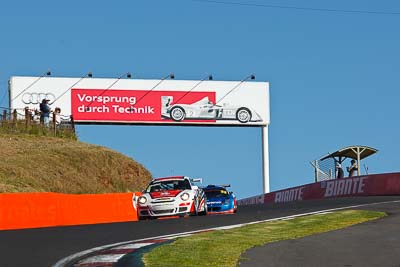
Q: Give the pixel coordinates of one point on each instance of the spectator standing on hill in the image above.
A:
(45, 112)
(353, 168)
(57, 115)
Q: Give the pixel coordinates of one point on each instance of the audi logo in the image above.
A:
(36, 98)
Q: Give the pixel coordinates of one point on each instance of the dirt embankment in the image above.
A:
(48, 164)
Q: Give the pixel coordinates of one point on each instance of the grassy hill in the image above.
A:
(31, 163)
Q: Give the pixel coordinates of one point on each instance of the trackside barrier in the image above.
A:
(31, 210)
(368, 185)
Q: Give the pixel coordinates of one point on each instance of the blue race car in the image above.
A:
(220, 200)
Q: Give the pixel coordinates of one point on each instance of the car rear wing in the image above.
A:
(197, 180)
(222, 185)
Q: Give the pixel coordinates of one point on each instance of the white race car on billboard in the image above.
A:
(171, 196)
(204, 109)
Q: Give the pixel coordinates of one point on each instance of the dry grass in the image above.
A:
(47, 164)
(22, 127)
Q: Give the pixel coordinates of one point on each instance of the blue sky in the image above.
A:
(333, 77)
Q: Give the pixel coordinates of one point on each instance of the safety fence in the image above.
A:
(28, 121)
(32, 210)
(324, 169)
(367, 185)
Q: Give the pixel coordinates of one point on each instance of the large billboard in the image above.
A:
(137, 101)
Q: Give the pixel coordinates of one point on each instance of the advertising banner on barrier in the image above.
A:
(32, 210)
(369, 185)
(134, 101)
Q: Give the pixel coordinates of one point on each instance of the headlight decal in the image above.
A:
(185, 196)
(142, 200)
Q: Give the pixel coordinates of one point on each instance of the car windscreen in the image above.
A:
(216, 193)
(168, 185)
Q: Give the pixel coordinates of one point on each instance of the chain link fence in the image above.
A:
(324, 169)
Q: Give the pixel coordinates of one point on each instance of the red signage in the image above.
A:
(369, 185)
(133, 105)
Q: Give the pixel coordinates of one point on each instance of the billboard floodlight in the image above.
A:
(89, 75)
(209, 77)
(251, 76)
(171, 76)
(127, 74)
(47, 73)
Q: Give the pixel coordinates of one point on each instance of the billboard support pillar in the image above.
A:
(265, 158)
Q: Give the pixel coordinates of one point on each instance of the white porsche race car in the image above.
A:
(171, 196)
(204, 109)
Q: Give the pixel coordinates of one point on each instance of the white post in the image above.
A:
(316, 170)
(265, 158)
(358, 161)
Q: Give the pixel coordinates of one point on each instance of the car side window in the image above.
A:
(186, 184)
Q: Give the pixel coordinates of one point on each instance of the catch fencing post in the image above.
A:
(27, 117)
(72, 124)
(4, 120)
(54, 124)
(15, 117)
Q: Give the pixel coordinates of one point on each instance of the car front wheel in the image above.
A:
(177, 114)
(243, 115)
(205, 210)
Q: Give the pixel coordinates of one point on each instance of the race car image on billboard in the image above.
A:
(220, 200)
(171, 196)
(204, 109)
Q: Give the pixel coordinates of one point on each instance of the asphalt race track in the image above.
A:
(374, 243)
(46, 246)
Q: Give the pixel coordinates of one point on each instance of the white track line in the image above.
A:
(133, 246)
(64, 261)
(102, 259)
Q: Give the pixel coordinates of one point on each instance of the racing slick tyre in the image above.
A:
(205, 211)
(177, 114)
(195, 211)
(243, 115)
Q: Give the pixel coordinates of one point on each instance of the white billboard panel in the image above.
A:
(101, 100)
